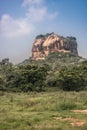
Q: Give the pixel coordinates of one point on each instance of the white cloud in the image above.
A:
(36, 12)
(10, 27)
(32, 2)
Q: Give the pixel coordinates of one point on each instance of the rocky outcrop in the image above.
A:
(46, 44)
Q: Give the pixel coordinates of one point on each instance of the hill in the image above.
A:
(59, 68)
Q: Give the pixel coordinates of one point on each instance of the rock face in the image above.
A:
(46, 44)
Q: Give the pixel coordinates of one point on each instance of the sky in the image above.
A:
(22, 20)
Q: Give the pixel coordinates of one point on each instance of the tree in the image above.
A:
(27, 78)
(74, 79)
(2, 83)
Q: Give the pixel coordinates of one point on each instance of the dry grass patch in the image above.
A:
(80, 111)
(73, 121)
(79, 123)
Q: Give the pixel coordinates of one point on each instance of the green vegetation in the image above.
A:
(63, 70)
(74, 78)
(43, 36)
(52, 110)
(48, 94)
(22, 78)
(40, 36)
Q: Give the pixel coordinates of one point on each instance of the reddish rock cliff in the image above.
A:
(46, 44)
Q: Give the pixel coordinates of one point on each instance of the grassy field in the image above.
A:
(54, 110)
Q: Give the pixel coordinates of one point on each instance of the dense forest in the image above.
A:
(63, 70)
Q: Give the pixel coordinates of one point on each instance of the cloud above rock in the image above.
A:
(36, 12)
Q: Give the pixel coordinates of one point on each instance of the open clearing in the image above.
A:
(54, 110)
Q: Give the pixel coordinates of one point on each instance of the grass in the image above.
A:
(42, 111)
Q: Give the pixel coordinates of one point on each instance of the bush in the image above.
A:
(67, 106)
(27, 78)
(73, 79)
(2, 84)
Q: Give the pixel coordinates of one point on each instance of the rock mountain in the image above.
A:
(51, 42)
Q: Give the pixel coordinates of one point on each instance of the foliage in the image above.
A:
(71, 38)
(33, 76)
(64, 70)
(2, 84)
(73, 79)
(39, 36)
(43, 36)
(23, 78)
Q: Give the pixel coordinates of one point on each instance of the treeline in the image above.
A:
(37, 77)
(22, 78)
(71, 78)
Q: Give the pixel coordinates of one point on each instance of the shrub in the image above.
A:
(73, 79)
(67, 106)
(2, 84)
(27, 78)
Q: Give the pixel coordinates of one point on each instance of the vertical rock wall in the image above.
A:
(46, 44)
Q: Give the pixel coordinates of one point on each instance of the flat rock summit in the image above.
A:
(51, 42)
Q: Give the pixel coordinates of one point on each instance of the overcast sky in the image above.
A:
(22, 20)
